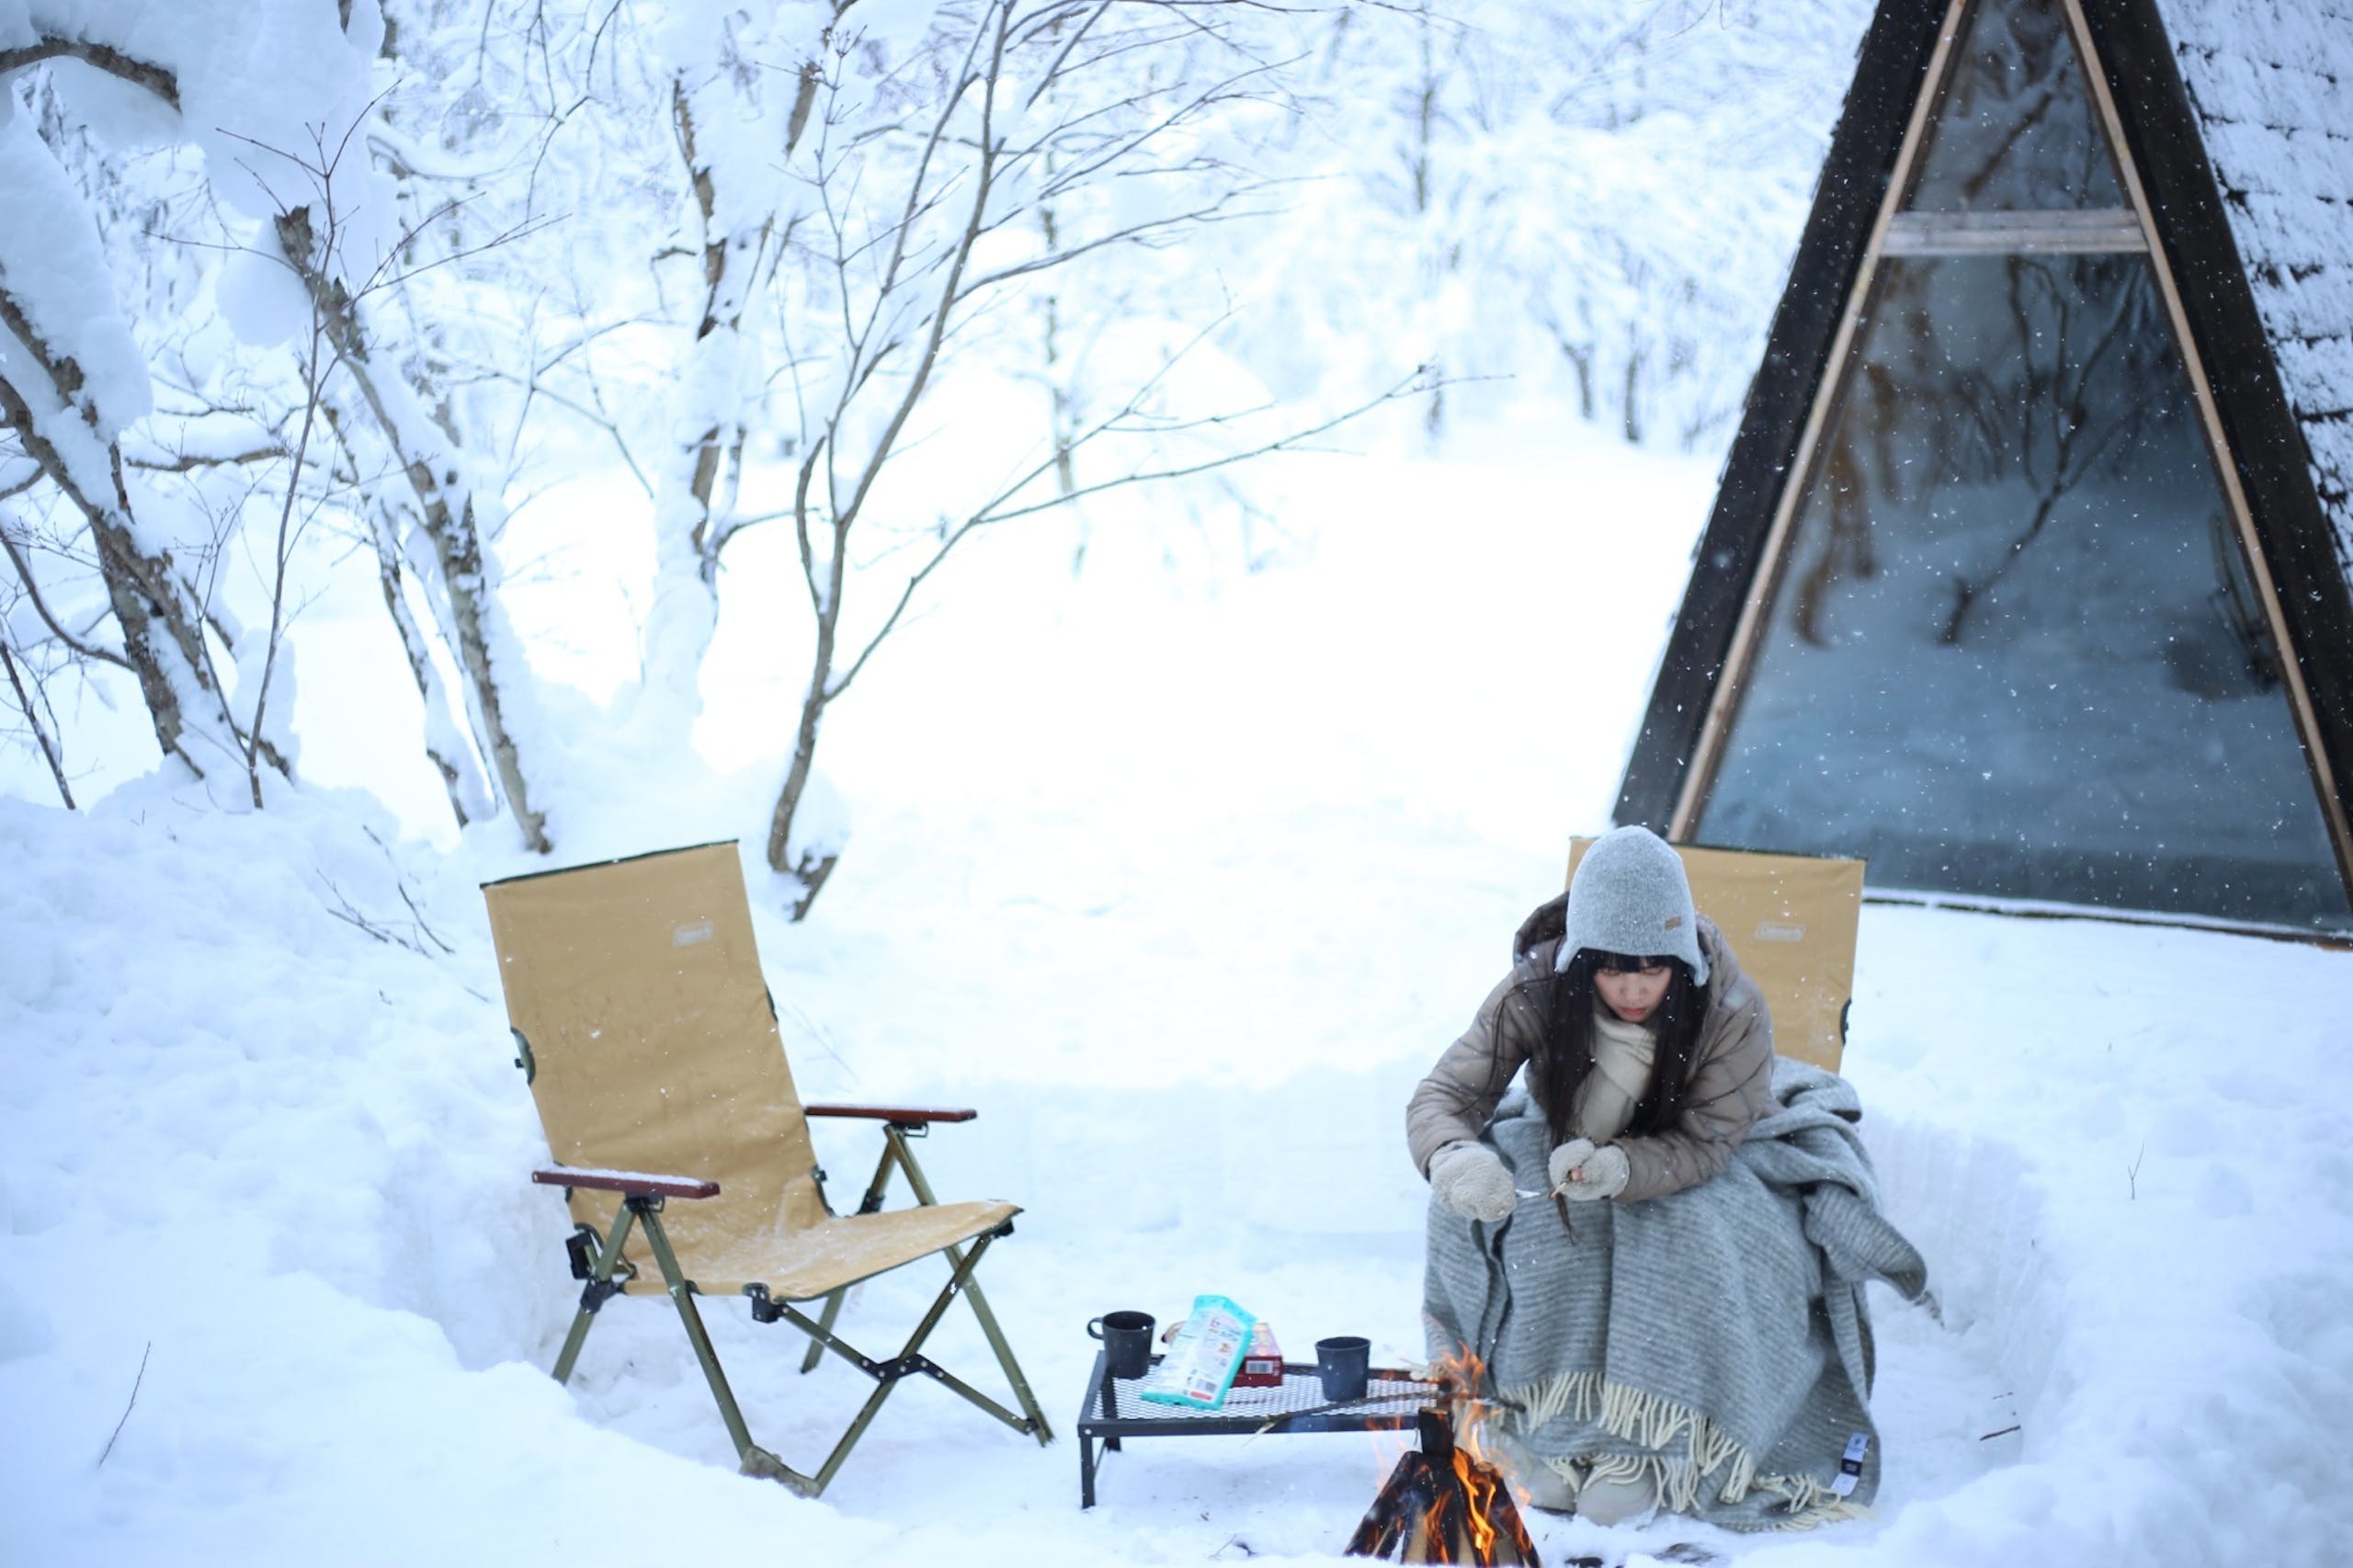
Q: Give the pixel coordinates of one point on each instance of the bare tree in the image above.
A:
(871, 210)
(741, 91)
(447, 502)
(79, 375)
(400, 471)
(922, 223)
(1627, 177)
(67, 417)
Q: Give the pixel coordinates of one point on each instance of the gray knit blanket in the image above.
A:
(1715, 1341)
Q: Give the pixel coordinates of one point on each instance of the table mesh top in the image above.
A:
(1387, 1392)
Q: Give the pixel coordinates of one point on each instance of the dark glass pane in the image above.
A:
(2014, 651)
(2016, 132)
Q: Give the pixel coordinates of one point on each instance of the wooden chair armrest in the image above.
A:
(635, 1184)
(898, 1116)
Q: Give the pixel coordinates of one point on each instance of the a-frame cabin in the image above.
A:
(2027, 576)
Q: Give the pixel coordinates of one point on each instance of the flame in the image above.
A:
(1447, 1501)
(1479, 1484)
(1463, 1374)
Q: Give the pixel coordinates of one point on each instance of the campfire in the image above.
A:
(1445, 1503)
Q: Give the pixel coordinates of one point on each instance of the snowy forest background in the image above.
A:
(304, 303)
(1151, 522)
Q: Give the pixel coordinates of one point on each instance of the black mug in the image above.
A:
(1343, 1363)
(1127, 1342)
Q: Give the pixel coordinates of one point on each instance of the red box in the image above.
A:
(1262, 1364)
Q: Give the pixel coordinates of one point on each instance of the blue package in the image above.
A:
(1204, 1357)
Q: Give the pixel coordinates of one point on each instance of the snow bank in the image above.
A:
(280, 1161)
(1181, 888)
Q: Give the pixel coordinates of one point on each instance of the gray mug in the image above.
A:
(1343, 1363)
(1127, 1342)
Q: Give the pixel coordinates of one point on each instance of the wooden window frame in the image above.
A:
(1895, 233)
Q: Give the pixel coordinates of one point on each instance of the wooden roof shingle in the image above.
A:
(2270, 83)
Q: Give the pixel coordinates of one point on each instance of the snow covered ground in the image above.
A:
(1181, 878)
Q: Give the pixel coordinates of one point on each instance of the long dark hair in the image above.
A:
(1559, 1066)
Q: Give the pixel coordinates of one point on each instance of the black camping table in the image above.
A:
(1116, 1408)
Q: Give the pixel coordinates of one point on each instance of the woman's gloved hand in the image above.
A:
(1582, 1173)
(1566, 1158)
(1470, 1179)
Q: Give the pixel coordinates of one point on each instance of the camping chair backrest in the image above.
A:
(1790, 919)
(635, 992)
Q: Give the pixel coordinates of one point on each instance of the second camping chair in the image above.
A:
(650, 1043)
(1791, 918)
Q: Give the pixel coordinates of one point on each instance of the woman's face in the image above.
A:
(1634, 994)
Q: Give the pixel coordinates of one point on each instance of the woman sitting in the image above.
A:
(1649, 1060)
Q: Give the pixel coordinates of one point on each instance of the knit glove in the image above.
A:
(1582, 1173)
(1469, 1179)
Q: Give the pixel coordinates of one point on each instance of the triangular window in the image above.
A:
(2012, 647)
(2015, 129)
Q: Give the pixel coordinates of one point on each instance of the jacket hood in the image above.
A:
(1547, 923)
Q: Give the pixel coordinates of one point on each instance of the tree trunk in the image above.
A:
(1631, 414)
(691, 523)
(446, 504)
(445, 718)
(810, 870)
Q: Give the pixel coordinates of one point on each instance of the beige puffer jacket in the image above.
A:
(1730, 1082)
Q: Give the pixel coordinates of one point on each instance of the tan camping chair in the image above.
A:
(650, 1043)
(1790, 919)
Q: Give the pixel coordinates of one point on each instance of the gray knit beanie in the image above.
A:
(1629, 896)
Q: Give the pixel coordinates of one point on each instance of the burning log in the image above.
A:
(1443, 1505)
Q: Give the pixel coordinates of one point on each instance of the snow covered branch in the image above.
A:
(161, 621)
(26, 706)
(31, 585)
(139, 73)
(79, 338)
(1008, 504)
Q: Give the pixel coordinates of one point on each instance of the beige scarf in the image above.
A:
(1621, 1070)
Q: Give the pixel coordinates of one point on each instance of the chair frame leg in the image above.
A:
(645, 1213)
(895, 1152)
(682, 1293)
(593, 1294)
(908, 1363)
(602, 1285)
(870, 1204)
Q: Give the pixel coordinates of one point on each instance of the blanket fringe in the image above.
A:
(1657, 1423)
